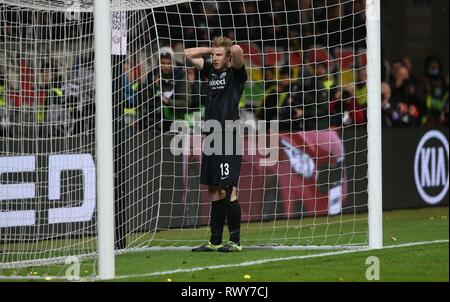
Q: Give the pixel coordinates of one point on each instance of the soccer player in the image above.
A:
(220, 172)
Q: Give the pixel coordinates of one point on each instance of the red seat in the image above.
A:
(273, 57)
(295, 58)
(345, 58)
(318, 55)
(27, 94)
(362, 58)
(252, 53)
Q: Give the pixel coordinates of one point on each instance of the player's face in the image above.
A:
(220, 58)
(166, 65)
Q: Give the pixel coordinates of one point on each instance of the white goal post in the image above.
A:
(374, 157)
(89, 164)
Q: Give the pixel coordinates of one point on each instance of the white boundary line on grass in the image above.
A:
(264, 261)
(247, 263)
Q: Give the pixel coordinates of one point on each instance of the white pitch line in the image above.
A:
(264, 261)
(247, 263)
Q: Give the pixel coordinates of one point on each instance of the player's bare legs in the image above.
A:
(233, 196)
(216, 193)
(220, 192)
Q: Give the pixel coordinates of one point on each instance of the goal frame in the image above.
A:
(102, 10)
(374, 156)
(104, 133)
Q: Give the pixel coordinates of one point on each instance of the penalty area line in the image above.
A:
(264, 261)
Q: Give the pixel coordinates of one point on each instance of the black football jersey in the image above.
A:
(224, 93)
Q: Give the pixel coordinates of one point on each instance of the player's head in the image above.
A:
(433, 66)
(284, 78)
(386, 91)
(221, 56)
(166, 60)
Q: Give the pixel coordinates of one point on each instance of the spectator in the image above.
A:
(344, 109)
(407, 62)
(400, 76)
(395, 65)
(79, 93)
(52, 114)
(405, 98)
(198, 87)
(275, 97)
(415, 93)
(173, 87)
(129, 102)
(433, 82)
(324, 79)
(355, 107)
(292, 115)
(319, 90)
(389, 114)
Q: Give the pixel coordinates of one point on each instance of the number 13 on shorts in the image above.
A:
(224, 169)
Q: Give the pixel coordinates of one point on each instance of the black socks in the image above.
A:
(231, 210)
(234, 220)
(218, 215)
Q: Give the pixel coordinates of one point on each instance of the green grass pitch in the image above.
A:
(423, 262)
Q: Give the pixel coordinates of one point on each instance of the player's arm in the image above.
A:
(195, 56)
(237, 57)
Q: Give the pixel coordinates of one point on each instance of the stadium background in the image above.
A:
(418, 34)
(422, 22)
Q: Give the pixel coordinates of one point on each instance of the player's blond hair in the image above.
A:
(224, 42)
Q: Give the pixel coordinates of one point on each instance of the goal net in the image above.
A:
(303, 180)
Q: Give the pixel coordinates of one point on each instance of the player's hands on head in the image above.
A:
(235, 49)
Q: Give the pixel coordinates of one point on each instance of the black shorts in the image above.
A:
(221, 169)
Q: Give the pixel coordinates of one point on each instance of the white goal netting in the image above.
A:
(306, 64)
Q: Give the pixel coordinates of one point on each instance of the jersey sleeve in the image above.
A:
(207, 68)
(241, 74)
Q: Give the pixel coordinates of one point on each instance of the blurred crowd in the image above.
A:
(410, 99)
(308, 73)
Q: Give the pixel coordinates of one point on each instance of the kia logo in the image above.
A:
(431, 167)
